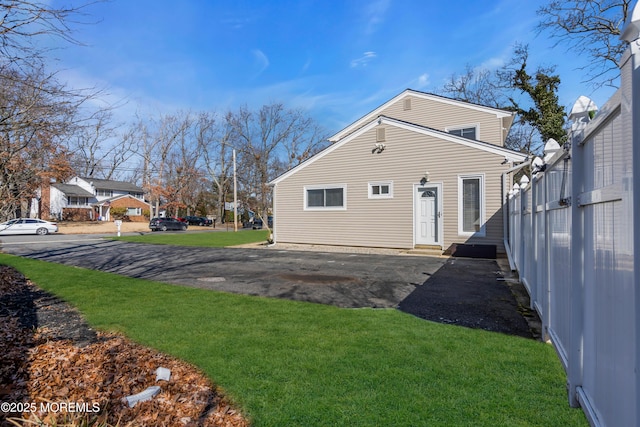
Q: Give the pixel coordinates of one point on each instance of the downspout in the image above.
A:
(275, 216)
(505, 213)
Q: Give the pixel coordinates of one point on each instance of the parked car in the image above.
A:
(258, 223)
(28, 226)
(198, 220)
(164, 224)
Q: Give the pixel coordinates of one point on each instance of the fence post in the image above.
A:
(534, 280)
(631, 34)
(580, 118)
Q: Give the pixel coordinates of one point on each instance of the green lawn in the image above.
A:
(203, 239)
(289, 363)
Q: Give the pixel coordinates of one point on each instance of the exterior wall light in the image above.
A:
(425, 178)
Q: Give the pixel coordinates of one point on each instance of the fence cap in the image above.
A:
(582, 107)
(551, 146)
(631, 30)
(537, 164)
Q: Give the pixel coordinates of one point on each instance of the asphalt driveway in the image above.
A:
(343, 280)
(465, 292)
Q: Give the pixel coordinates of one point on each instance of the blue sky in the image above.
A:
(336, 59)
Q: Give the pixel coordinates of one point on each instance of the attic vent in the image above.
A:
(380, 135)
(407, 104)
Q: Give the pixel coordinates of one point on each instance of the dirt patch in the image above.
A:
(100, 227)
(107, 227)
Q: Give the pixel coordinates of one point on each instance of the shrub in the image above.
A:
(118, 213)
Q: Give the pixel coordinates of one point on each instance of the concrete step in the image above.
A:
(429, 250)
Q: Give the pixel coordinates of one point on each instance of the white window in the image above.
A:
(104, 193)
(470, 132)
(326, 197)
(134, 211)
(381, 190)
(77, 201)
(471, 205)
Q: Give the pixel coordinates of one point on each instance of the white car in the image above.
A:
(28, 226)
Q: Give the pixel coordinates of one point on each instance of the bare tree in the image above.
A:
(183, 173)
(36, 113)
(591, 28)
(262, 138)
(214, 140)
(125, 147)
(477, 86)
(22, 22)
(162, 168)
(98, 150)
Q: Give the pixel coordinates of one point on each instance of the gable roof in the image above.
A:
(72, 190)
(107, 184)
(510, 155)
(429, 96)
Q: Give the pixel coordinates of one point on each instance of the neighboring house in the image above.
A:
(419, 171)
(92, 199)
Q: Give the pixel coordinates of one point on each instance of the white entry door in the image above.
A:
(427, 214)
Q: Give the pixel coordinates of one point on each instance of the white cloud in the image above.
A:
(423, 80)
(261, 61)
(492, 63)
(306, 66)
(364, 60)
(375, 15)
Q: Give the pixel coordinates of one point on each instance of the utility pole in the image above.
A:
(235, 194)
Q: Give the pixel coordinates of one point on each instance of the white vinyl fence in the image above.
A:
(574, 237)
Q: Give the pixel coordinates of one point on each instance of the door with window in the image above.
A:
(427, 214)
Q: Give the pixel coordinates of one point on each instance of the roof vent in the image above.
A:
(406, 105)
(380, 135)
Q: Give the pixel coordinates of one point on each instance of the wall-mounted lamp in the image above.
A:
(425, 178)
(379, 148)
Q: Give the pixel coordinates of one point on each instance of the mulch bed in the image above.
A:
(60, 371)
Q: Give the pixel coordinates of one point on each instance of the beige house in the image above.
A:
(419, 171)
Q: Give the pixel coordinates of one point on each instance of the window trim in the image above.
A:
(475, 126)
(483, 229)
(306, 206)
(380, 184)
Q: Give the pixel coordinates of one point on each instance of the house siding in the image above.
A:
(443, 116)
(57, 202)
(387, 222)
(439, 113)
